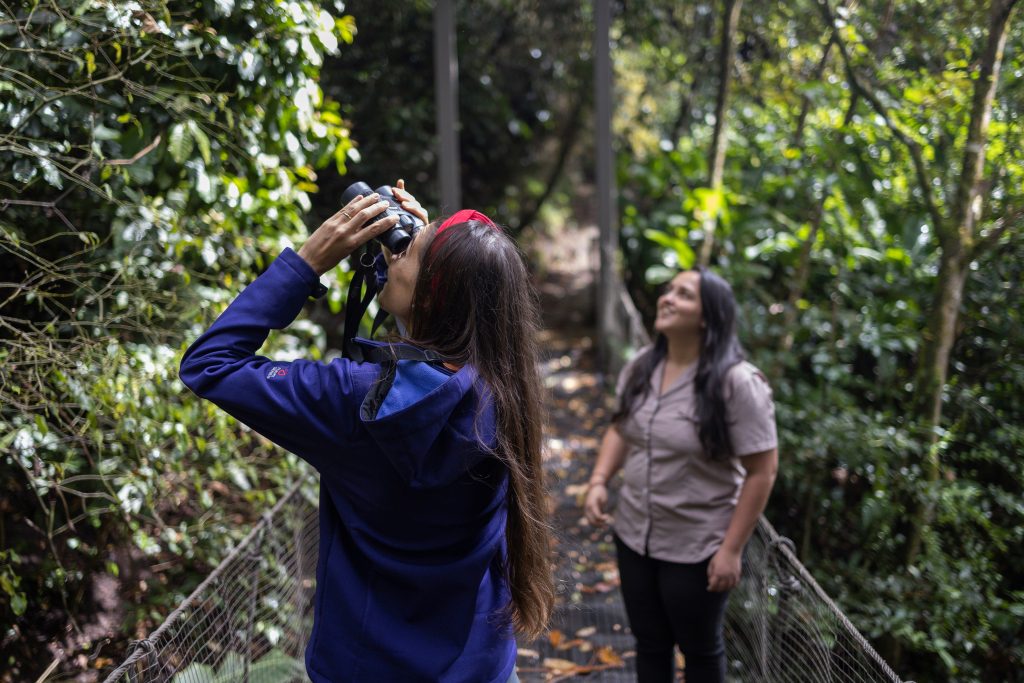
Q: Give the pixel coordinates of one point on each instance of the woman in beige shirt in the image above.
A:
(695, 437)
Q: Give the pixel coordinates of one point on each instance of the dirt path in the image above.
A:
(589, 637)
(589, 633)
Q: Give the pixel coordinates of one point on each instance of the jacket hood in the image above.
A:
(431, 423)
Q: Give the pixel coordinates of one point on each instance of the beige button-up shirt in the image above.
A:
(675, 503)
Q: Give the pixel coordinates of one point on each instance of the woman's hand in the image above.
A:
(724, 570)
(409, 202)
(593, 507)
(344, 232)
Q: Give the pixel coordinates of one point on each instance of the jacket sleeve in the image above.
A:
(307, 407)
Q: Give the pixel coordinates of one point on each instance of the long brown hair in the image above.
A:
(720, 350)
(474, 304)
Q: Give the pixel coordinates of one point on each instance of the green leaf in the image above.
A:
(710, 201)
(238, 476)
(346, 28)
(180, 142)
(202, 141)
(232, 667)
(340, 158)
(866, 253)
(914, 95)
(686, 255)
(658, 274)
(18, 604)
(101, 132)
(195, 673)
(276, 666)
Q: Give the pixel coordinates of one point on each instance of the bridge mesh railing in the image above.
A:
(250, 619)
(782, 626)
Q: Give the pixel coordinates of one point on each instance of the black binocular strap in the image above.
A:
(356, 303)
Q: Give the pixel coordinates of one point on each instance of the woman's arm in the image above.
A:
(724, 568)
(295, 404)
(610, 457)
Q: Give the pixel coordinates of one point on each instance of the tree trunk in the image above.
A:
(716, 155)
(957, 240)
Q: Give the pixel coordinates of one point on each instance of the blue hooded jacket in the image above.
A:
(410, 579)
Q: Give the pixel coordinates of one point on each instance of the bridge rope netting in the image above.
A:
(250, 618)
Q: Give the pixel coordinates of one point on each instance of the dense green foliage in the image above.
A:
(830, 244)
(154, 155)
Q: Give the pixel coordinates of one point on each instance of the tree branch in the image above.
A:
(805, 100)
(138, 155)
(990, 239)
(966, 207)
(867, 92)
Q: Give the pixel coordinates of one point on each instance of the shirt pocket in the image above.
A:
(674, 431)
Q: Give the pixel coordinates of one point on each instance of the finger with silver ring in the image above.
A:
(351, 210)
(346, 212)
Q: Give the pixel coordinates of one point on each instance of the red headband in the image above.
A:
(463, 216)
(456, 218)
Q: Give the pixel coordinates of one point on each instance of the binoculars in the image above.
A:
(397, 238)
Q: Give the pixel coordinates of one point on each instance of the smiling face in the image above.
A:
(403, 269)
(679, 306)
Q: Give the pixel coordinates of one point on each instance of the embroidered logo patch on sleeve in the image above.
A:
(277, 371)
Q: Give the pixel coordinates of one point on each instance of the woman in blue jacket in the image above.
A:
(433, 540)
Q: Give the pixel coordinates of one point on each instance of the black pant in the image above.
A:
(668, 604)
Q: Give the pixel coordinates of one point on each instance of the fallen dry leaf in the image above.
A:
(524, 652)
(555, 638)
(569, 644)
(574, 490)
(606, 655)
(586, 632)
(559, 665)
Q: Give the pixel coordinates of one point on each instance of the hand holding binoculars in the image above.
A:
(397, 238)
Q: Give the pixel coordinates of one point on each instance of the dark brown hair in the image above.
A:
(720, 350)
(474, 304)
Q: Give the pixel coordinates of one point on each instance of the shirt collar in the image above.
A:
(683, 380)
